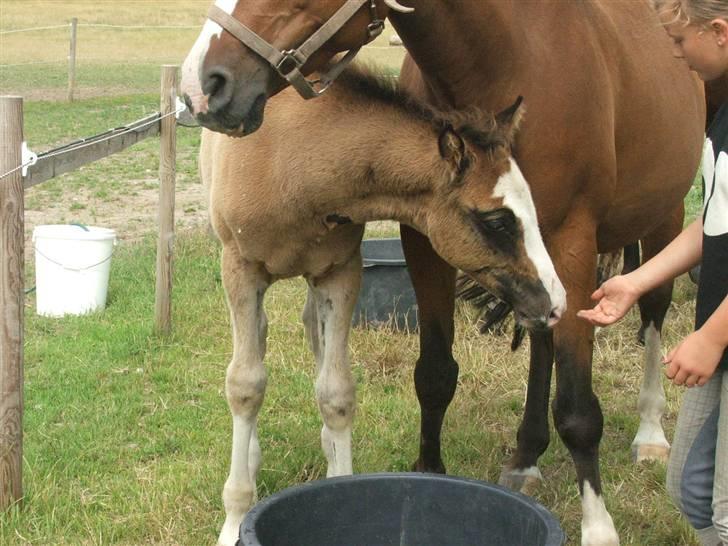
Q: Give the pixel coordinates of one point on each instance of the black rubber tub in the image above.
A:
(401, 509)
(386, 296)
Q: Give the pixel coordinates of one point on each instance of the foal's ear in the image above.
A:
(452, 149)
(510, 118)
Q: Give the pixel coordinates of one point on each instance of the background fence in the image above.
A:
(18, 172)
(59, 57)
(72, 28)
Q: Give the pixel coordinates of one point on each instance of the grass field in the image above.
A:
(127, 434)
(117, 59)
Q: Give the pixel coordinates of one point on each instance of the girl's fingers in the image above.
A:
(597, 294)
(680, 377)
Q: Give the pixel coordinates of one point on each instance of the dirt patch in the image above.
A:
(132, 216)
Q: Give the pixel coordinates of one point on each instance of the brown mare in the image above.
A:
(292, 199)
(610, 146)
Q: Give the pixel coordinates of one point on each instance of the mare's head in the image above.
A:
(249, 50)
(482, 218)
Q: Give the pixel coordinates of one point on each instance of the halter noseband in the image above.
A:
(288, 63)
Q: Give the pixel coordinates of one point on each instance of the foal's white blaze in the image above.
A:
(597, 527)
(516, 194)
(190, 84)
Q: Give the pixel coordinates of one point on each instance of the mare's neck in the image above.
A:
(446, 39)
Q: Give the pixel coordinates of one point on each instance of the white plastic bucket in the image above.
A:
(72, 265)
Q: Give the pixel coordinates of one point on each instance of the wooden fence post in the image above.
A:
(11, 302)
(167, 174)
(72, 60)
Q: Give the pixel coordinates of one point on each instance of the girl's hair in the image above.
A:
(691, 11)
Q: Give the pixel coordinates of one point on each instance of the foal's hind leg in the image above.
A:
(327, 319)
(436, 371)
(245, 286)
(650, 442)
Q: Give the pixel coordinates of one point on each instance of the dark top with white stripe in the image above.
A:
(713, 286)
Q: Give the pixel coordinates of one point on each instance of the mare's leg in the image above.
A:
(650, 442)
(436, 371)
(576, 411)
(327, 319)
(245, 285)
(577, 415)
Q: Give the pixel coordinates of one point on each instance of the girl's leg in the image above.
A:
(720, 489)
(691, 468)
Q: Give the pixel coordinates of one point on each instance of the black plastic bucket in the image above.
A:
(402, 509)
(386, 295)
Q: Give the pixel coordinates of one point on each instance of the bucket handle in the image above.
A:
(78, 269)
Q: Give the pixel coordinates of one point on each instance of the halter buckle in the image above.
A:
(375, 28)
(288, 63)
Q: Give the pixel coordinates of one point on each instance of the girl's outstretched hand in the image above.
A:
(614, 298)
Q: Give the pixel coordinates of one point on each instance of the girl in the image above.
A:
(697, 475)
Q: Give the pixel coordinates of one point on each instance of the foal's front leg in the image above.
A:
(245, 285)
(327, 319)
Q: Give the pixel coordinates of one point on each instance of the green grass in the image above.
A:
(127, 434)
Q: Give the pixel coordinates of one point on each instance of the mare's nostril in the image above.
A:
(217, 85)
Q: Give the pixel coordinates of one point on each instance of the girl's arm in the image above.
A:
(618, 294)
(679, 256)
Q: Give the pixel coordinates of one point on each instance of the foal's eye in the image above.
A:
(495, 225)
(496, 220)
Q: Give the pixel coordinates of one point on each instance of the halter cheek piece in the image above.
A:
(288, 63)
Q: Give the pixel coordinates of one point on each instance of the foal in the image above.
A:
(292, 199)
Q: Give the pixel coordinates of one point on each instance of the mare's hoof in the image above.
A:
(525, 480)
(650, 452)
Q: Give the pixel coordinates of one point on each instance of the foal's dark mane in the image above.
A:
(477, 126)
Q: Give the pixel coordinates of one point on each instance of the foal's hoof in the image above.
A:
(650, 452)
(525, 480)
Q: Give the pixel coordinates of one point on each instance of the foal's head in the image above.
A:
(483, 220)
(230, 73)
